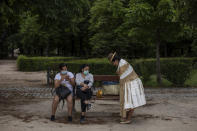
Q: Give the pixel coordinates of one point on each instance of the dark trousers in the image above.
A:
(84, 95)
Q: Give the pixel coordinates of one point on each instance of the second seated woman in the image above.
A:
(84, 82)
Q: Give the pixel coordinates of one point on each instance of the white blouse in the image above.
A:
(80, 79)
(127, 71)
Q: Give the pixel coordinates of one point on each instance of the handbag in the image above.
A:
(63, 92)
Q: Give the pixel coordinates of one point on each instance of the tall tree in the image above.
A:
(155, 21)
(106, 17)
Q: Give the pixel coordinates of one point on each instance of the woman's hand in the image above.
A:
(84, 87)
(66, 77)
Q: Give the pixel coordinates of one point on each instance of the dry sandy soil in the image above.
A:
(163, 112)
(10, 77)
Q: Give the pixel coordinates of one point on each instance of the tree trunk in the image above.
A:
(166, 50)
(58, 51)
(12, 52)
(47, 50)
(158, 59)
(72, 45)
(182, 52)
(3, 51)
(80, 47)
(21, 50)
(41, 51)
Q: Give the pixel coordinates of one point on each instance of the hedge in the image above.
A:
(95, 68)
(38, 63)
(176, 70)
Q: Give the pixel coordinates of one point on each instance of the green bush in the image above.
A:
(175, 70)
(152, 82)
(96, 66)
(145, 68)
(38, 63)
(192, 80)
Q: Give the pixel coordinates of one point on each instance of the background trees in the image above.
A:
(86, 28)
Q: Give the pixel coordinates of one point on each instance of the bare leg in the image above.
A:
(130, 113)
(55, 104)
(83, 113)
(70, 104)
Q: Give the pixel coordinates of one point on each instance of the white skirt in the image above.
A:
(134, 94)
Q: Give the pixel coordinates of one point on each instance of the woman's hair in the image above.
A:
(83, 66)
(62, 65)
(116, 57)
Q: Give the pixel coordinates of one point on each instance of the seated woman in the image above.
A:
(84, 82)
(64, 82)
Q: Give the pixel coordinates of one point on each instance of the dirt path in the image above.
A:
(10, 77)
(166, 109)
(157, 115)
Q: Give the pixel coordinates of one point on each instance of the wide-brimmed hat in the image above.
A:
(111, 56)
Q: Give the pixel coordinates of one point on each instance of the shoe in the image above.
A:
(70, 118)
(52, 118)
(125, 122)
(89, 106)
(82, 119)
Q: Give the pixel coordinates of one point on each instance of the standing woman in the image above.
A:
(84, 81)
(131, 88)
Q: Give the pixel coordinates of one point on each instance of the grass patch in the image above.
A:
(192, 80)
(152, 82)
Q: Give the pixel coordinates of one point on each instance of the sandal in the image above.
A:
(125, 122)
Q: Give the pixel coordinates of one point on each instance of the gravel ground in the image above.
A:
(25, 105)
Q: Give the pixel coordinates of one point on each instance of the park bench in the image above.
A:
(97, 78)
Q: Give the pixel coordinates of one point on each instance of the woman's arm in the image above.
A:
(91, 81)
(72, 81)
(78, 80)
(58, 81)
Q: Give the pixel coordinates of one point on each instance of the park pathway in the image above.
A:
(25, 105)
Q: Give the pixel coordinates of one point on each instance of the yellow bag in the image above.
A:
(99, 93)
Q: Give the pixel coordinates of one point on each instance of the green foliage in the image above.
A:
(98, 66)
(152, 20)
(106, 18)
(95, 28)
(31, 30)
(145, 68)
(177, 72)
(86, 28)
(153, 83)
(38, 63)
(192, 81)
(95, 68)
(174, 70)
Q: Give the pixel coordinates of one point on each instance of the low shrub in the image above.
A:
(175, 70)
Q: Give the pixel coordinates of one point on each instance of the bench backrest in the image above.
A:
(114, 78)
(51, 74)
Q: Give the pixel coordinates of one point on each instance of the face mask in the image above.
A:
(86, 72)
(64, 72)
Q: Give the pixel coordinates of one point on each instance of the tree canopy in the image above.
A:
(93, 28)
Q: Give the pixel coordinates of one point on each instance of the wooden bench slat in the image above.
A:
(106, 78)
